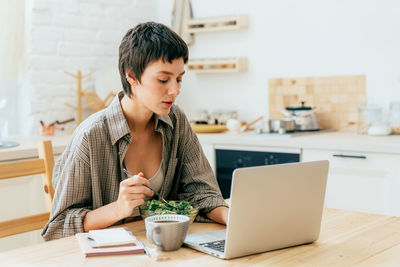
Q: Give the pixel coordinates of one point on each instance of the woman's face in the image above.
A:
(160, 85)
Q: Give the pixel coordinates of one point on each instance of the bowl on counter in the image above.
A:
(209, 128)
(155, 207)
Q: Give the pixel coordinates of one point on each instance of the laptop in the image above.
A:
(271, 207)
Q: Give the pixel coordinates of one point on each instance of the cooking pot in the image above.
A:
(303, 116)
(282, 126)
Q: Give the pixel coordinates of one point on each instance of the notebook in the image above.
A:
(111, 237)
(90, 248)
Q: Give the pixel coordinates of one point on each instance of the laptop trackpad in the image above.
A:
(206, 237)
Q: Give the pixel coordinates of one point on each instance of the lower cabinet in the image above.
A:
(367, 182)
(209, 152)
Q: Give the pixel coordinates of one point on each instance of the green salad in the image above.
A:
(159, 207)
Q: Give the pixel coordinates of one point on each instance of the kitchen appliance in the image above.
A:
(230, 158)
(303, 116)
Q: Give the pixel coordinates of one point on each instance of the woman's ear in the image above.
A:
(131, 80)
(130, 77)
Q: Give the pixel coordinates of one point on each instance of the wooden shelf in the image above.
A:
(218, 65)
(217, 24)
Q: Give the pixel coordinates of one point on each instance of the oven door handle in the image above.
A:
(349, 156)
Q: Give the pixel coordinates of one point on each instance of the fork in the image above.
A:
(157, 194)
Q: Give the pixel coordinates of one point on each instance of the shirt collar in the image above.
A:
(118, 125)
(164, 118)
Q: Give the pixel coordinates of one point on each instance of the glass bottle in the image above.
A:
(394, 111)
(369, 115)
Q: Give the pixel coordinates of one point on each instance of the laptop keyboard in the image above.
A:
(218, 245)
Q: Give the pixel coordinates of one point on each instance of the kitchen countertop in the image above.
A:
(28, 146)
(331, 140)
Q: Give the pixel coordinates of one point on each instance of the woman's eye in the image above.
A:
(163, 81)
(179, 81)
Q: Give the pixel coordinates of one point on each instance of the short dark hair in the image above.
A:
(144, 44)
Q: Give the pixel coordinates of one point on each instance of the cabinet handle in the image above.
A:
(349, 156)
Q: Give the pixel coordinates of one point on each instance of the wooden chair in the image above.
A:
(16, 169)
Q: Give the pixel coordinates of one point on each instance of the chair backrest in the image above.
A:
(16, 169)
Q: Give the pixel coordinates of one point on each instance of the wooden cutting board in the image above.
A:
(338, 98)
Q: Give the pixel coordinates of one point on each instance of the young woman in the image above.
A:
(143, 131)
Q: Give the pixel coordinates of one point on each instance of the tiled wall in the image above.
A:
(337, 97)
(67, 36)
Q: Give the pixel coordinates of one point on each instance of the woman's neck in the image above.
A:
(139, 118)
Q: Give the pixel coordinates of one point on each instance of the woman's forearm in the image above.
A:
(101, 218)
(131, 194)
(219, 215)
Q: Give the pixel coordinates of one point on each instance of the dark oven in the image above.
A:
(230, 158)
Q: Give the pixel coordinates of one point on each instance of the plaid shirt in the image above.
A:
(88, 173)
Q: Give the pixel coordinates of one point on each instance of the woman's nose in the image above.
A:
(174, 90)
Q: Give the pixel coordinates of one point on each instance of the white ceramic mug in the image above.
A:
(167, 231)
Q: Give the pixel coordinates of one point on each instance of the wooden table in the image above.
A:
(347, 238)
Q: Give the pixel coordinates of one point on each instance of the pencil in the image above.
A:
(145, 249)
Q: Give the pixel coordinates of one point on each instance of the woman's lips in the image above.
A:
(168, 103)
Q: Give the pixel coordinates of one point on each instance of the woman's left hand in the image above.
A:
(219, 215)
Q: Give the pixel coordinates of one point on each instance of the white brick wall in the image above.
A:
(71, 35)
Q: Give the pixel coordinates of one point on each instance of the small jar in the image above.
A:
(216, 117)
(202, 117)
(372, 121)
(369, 115)
(394, 111)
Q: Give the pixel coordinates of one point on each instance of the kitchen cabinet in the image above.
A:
(364, 173)
(360, 181)
(209, 152)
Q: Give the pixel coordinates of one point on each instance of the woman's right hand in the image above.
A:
(131, 194)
